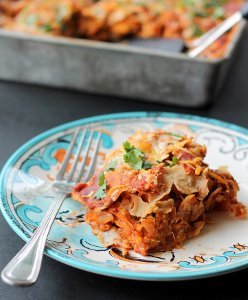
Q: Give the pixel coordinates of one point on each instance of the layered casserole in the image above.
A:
(118, 20)
(155, 192)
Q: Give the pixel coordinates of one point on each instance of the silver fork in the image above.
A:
(24, 268)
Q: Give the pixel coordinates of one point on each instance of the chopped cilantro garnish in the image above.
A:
(111, 166)
(197, 32)
(201, 14)
(101, 179)
(175, 135)
(204, 8)
(174, 161)
(218, 12)
(147, 165)
(101, 192)
(135, 157)
(47, 27)
(127, 146)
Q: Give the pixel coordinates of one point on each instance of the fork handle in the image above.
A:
(24, 268)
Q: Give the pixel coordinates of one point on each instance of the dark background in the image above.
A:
(26, 111)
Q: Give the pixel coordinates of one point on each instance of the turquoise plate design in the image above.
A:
(26, 194)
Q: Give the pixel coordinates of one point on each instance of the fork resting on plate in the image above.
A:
(24, 268)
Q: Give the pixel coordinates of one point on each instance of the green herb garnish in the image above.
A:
(47, 28)
(127, 146)
(101, 192)
(175, 135)
(147, 165)
(201, 14)
(111, 166)
(218, 12)
(101, 179)
(166, 164)
(174, 161)
(135, 157)
(197, 32)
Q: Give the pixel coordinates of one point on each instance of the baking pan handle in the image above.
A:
(244, 11)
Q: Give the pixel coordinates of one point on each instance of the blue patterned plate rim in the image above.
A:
(151, 276)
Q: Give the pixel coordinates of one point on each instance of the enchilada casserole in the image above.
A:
(115, 21)
(155, 192)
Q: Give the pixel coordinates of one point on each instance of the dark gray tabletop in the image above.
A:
(26, 111)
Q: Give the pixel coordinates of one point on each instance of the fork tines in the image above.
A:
(86, 142)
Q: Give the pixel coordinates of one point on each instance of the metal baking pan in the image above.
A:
(113, 69)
